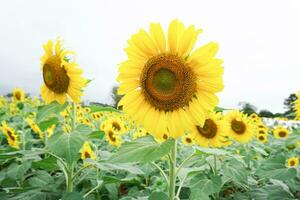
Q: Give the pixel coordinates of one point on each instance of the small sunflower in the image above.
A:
(36, 129)
(212, 133)
(255, 118)
(66, 128)
(280, 132)
(18, 95)
(87, 109)
(10, 133)
(293, 162)
(163, 80)
(262, 138)
(187, 139)
(61, 77)
(3, 101)
(87, 152)
(50, 130)
(240, 127)
(97, 115)
(116, 124)
(139, 133)
(112, 137)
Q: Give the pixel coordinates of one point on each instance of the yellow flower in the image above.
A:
(61, 77)
(113, 138)
(116, 124)
(18, 95)
(212, 133)
(12, 138)
(240, 127)
(66, 128)
(50, 130)
(188, 139)
(165, 85)
(139, 133)
(87, 110)
(87, 152)
(262, 138)
(293, 162)
(255, 118)
(97, 115)
(281, 132)
(36, 129)
(3, 101)
(298, 143)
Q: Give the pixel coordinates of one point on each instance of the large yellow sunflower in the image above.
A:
(61, 76)
(165, 85)
(280, 132)
(240, 127)
(212, 134)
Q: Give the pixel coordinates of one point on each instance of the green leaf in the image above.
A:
(66, 145)
(105, 166)
(97, 108)
(275, 168)
(73, 196)
(205, 187)
(83, 129)
(236, 172)
(96, 135)
(48, 110)
(16, 171)
(158, 195)
(40, 179)
(211, 151)
(48, 164)
(47, 123)
(142, 150)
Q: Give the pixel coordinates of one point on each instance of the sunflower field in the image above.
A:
(167, 139)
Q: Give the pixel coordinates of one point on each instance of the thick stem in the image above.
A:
(172, 182)
(70, 179)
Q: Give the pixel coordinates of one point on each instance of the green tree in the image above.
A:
(114, 95)
(247, 108)
(266, 113)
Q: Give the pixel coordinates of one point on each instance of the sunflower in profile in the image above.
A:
(297, 107)
(62, 77)
(293, 162)
(10, 133)
(87, 152)
(240, 126)
(116, 124)
(164, 80)
(36, 129)
(212, 133)
(280, 132)
(18, 95)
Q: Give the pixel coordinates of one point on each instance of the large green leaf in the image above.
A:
(133, 169)
(236, 172)
(66, 145)
(202, 186)
(97, 108)
(275, 168)
(143, 150)
(49, 163)
(158, 195)
(211, 151)
(41, 179)
(48, 110)
(47, 123)
(17, 171)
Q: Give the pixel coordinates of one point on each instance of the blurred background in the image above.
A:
(259, 43)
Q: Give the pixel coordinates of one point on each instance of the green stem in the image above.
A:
(183, 163)
(161, 171)
(70, 179)
(172, 176)
(93, 189)
(215, 165)
(73, 116)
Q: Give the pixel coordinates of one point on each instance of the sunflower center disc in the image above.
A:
(238, 127)
(282, 134)
(292, 163)
(209, 130)
(87, 155)
(167, 83)
(18, 95)
(55, 76)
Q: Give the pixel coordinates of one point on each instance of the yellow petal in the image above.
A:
(158, 36)
(174, 32)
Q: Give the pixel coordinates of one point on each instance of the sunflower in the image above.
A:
(255, 118)
(297, 107)
(18, 95)
(36, 129)
(240, 127)
(212, 133)
(293, 162)
(50, 130)
(87, 109)
(281, 132)
(187, 139)
(139, 133)
(262, 138)
(3, 101)
(87, 152)
(97, 115)
(10, 133)
(167, 82)
(112, 137)
(116, 124)
(61, 76)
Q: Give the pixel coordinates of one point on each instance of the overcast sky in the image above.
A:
(259, 42)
